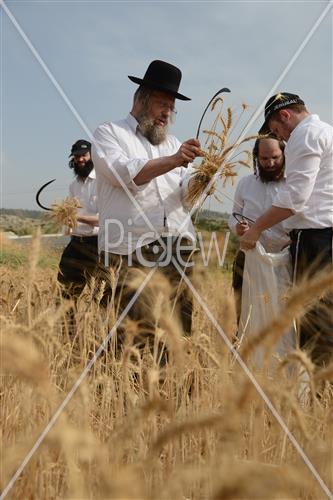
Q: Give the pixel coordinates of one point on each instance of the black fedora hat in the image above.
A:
(163, 76)
(277, 102)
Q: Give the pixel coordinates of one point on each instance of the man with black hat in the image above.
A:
(80, 257)
(138, 156)
(305, 202)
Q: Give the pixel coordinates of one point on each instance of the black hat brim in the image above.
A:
(264, 129)
(79, 152)
(141, 81)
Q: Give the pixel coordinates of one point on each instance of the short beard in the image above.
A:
(154, 133)
(266, 176)
(81, 173)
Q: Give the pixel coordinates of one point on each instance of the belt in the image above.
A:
(164, 241)
(84, 239)
(295, 232)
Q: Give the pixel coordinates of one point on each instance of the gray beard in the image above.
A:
(154, 133)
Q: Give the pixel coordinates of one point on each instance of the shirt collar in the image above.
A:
(305, 121)
(92, 174)
(132, 122)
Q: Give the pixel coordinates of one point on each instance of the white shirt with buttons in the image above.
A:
(86, 192)
(120, 151)
(252, 198)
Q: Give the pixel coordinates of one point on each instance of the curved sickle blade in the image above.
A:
(221, 91)
(241, 218)
(38, 194)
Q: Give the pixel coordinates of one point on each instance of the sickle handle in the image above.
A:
(38, 194)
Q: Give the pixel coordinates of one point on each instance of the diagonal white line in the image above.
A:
(75, 387)
(86, 128)
(261, 106)
(254, 381)
(77, 116)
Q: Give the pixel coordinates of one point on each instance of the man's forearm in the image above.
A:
(92, 220)
(155, 168)
(272, 216)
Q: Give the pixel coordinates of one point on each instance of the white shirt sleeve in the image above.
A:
(186, 176)
(302, 167)
(111, 161)
(237, 206)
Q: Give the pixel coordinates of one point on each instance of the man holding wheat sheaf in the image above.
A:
(137, 156)
(79, 258)
(305, 202)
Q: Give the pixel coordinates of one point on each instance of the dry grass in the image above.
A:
(195, 428)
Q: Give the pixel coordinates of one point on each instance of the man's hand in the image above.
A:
(250, 238)
(242, 227)
(188, 152)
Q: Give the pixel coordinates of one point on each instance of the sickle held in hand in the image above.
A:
(225, 89)
(38, 194)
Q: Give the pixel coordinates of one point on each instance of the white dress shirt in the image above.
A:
(119, 152)
(308, 191)
(252, 198)
(86, 191)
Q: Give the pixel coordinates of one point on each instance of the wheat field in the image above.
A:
(194, 428)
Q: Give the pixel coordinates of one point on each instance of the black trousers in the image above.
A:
(237, 281)
(121, 292)
(311, 252)
(78, 262)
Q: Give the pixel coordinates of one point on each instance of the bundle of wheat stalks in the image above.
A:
(220, 154)
(65, 212)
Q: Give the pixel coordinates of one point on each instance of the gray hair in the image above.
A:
(142, 94)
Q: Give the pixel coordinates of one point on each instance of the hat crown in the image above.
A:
(80, 146)
(162, 73)
(280, 101)
(163, 76)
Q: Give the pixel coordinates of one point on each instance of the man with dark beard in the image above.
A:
(80, 257)
(136, 158)
(254, 194)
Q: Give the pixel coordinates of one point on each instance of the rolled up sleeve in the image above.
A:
(302, 168)
(111, 161)
(186, 176)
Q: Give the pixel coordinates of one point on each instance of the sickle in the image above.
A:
(38, 193)
(212, 99)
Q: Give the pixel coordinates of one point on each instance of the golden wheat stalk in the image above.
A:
(66, 212)
(301, 298)
(218, 156)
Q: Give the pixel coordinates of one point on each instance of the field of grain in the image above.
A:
(195, 428)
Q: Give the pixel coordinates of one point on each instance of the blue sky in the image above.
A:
(91, 47)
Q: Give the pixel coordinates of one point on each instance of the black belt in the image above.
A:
(322, 230)
(165, 242)
(84, 239)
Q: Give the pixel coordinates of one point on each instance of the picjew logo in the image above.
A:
(150, 249)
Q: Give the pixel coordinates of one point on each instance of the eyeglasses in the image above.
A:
(167, 106)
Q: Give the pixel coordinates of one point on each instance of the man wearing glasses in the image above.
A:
(137, 158)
